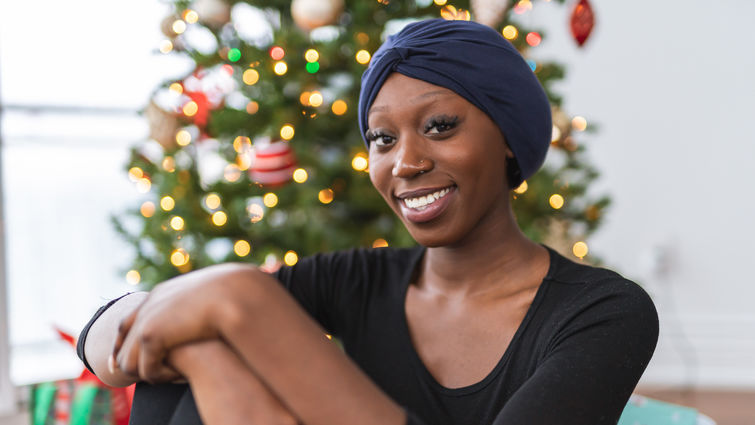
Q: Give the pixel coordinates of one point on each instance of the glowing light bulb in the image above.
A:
(176, 88)
(191, 108)
(147, 209)
(219, 218)
(143, 185)
(290, 258)
(190, 16)
(135, 173)
(311, 55)
(522, 188)
(242, 144)
(579, 123)
(580, 249)
(178, 26)
(212, 201)
(555, 134)
(450, 13)
(166, 46)
(363, 57)
(177, 223)
(169, 164)
(256, 213)
(339, 107)
(556, 201)
(300, 175)
(250, 77)
(270, 199)
(277, 53)
(315, 99)
(533, 39)
(440, 2)
(183, 137)
(325, 196)
(179, 257)
(133, 277)
(232, 172)
(510, 32)
(242, 248)
(167, 203)
(287, 132)
(280, 68)
(359, 162)
(252, 107)
(380, 243)
(234, 55)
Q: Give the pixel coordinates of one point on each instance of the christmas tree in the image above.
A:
(256, 154)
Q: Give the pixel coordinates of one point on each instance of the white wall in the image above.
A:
(672, 86)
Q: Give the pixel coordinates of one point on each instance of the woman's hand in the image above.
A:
(226, 391)
(181, 310)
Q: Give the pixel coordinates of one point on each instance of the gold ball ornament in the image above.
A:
(162, 125)
(212, 13)
(311, 14)
(488, 12)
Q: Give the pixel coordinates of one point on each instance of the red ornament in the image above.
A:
(202, 113)
(582, 21)
(273, 164)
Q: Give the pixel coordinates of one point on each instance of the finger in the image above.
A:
(152, 354)
(123, 329)
(128, 354)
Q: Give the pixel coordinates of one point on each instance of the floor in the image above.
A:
(724, 407)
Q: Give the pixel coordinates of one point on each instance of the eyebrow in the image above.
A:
(433, 93)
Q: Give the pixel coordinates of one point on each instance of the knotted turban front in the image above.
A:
(477, 63)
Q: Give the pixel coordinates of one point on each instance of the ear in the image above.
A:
(509, 153)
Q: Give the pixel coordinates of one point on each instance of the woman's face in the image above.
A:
(437, 160)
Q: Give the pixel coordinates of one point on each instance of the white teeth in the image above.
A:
(423, 201)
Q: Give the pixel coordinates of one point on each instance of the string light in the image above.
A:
(232, 173)
(167, 203)
(242, 144)
(191, 108)
(440, 2)
(147, 209)
(312, 67)
(359, 162)
(242, 248)
(219, 218)
(212, 201)
(287, 132)
(178, 26)
(135, 173)
(315, 99)
(256, 213)
(166, 46)
(339, 107)
(143, 185)
(579, 123)
(304, 98)
(556, 201)
(325, 196)
(133, 277)
(380, 243)
(280, 68)
(450, 13)
(580, 249)
(176, 88)
(555, 134)
(190, 16)
(311, 55)
(169, 164)
(270, 199)
(177, 223)
(250, 77)
(179, 257)
(300, 175)
(362, 37)
(183, 137)
(522, 188)
(277, 53)
(510, 32)
(290, 258)
(363, 57)
(533, 39)
(252, 107)
(522, 6)
(234, 55)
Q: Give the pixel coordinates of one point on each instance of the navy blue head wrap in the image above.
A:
(478, 64)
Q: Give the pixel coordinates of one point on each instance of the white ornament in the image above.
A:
(310, 14)
(213, 13)
(489, 12)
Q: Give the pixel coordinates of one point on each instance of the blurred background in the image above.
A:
(108, 109)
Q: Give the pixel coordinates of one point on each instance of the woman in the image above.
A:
(477, 325)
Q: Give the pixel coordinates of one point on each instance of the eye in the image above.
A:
(441, 124)
(379, 138)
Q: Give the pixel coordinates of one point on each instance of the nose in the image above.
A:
(411, 159)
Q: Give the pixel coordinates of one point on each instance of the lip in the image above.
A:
(430, 211)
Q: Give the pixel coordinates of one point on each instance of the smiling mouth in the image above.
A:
(421, 202)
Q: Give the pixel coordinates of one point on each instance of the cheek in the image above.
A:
(380, 173)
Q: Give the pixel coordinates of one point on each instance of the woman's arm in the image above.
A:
(226, 391)
(274, 337)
